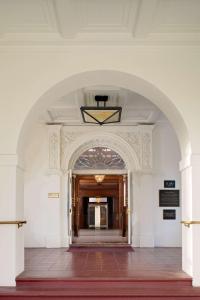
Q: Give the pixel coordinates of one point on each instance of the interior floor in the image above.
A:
(142, 263)
(99, 236)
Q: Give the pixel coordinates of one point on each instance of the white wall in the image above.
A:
(166, 157)
(44, 215)
(35, 187)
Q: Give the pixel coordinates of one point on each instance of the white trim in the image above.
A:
(188, 161)
(185, 163)
(106, 172)
(9, 159)
(70, 206)
(129, 208)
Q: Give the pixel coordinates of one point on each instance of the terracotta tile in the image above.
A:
(143, 262)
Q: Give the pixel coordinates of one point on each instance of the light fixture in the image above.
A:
(101, 114)
(99, 178)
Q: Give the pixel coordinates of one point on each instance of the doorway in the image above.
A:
(97, 215)
(99, 209)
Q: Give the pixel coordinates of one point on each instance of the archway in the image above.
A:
(114, 78)
(120, 200)
(118, 79)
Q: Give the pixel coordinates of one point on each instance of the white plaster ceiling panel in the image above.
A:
(177, 16)
(135, 108)
(109, 15)
(69, 100)
(61, 114)
(112, 93)
(137, 115)
(26, 16)
(74, 22)
(81, 17)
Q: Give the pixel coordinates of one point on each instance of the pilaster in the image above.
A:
(190, 169)
(11, 209)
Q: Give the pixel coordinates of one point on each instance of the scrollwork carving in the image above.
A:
(53, 150)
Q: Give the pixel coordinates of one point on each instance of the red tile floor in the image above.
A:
(142, 263)
(102, 273)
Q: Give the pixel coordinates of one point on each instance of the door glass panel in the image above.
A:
(91, 216)
(97, 216)
(103, 215)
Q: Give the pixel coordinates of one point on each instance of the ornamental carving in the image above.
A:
(133, 139)
(53, 146)
(66, 139)
(146, 150)
(140, 141)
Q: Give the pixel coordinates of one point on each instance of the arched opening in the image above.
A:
(99, 179)
(132, 146)
(106, 78)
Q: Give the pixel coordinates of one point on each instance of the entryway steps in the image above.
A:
(100, 246)
(99, 236)
(101, 281)
(56, 289)
(99, 232)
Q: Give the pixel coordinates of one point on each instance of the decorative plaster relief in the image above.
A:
(146, 150)
(139, 140)
(67, 138)
(133, 139)
(54, 146)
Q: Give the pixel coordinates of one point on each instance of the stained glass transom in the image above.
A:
(100, 158)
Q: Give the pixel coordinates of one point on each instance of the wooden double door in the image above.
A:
(111, 214)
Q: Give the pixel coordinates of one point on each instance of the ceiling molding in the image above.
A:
(64, 23)
(145, 17)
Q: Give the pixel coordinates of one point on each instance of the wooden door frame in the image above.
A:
(125, 220)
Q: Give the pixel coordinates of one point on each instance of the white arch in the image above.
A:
(110, 140)
(126, 81)
(114, 78)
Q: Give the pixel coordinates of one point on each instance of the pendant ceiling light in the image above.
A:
(101, 114)
(99, 178)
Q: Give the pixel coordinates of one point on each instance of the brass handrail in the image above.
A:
(188, 223)
(18, 223)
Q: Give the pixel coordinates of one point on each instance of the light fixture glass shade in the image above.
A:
(101, 115)
(99, 178)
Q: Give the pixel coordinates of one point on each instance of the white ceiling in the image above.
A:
(60, 22)
(135, 108)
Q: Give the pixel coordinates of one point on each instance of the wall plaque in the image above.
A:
(169, 214)
(169, 184)
(169, 198)
(53, 195)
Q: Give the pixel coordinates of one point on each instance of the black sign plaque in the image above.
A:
(169, 214)
(169, 184)
(169, 198)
